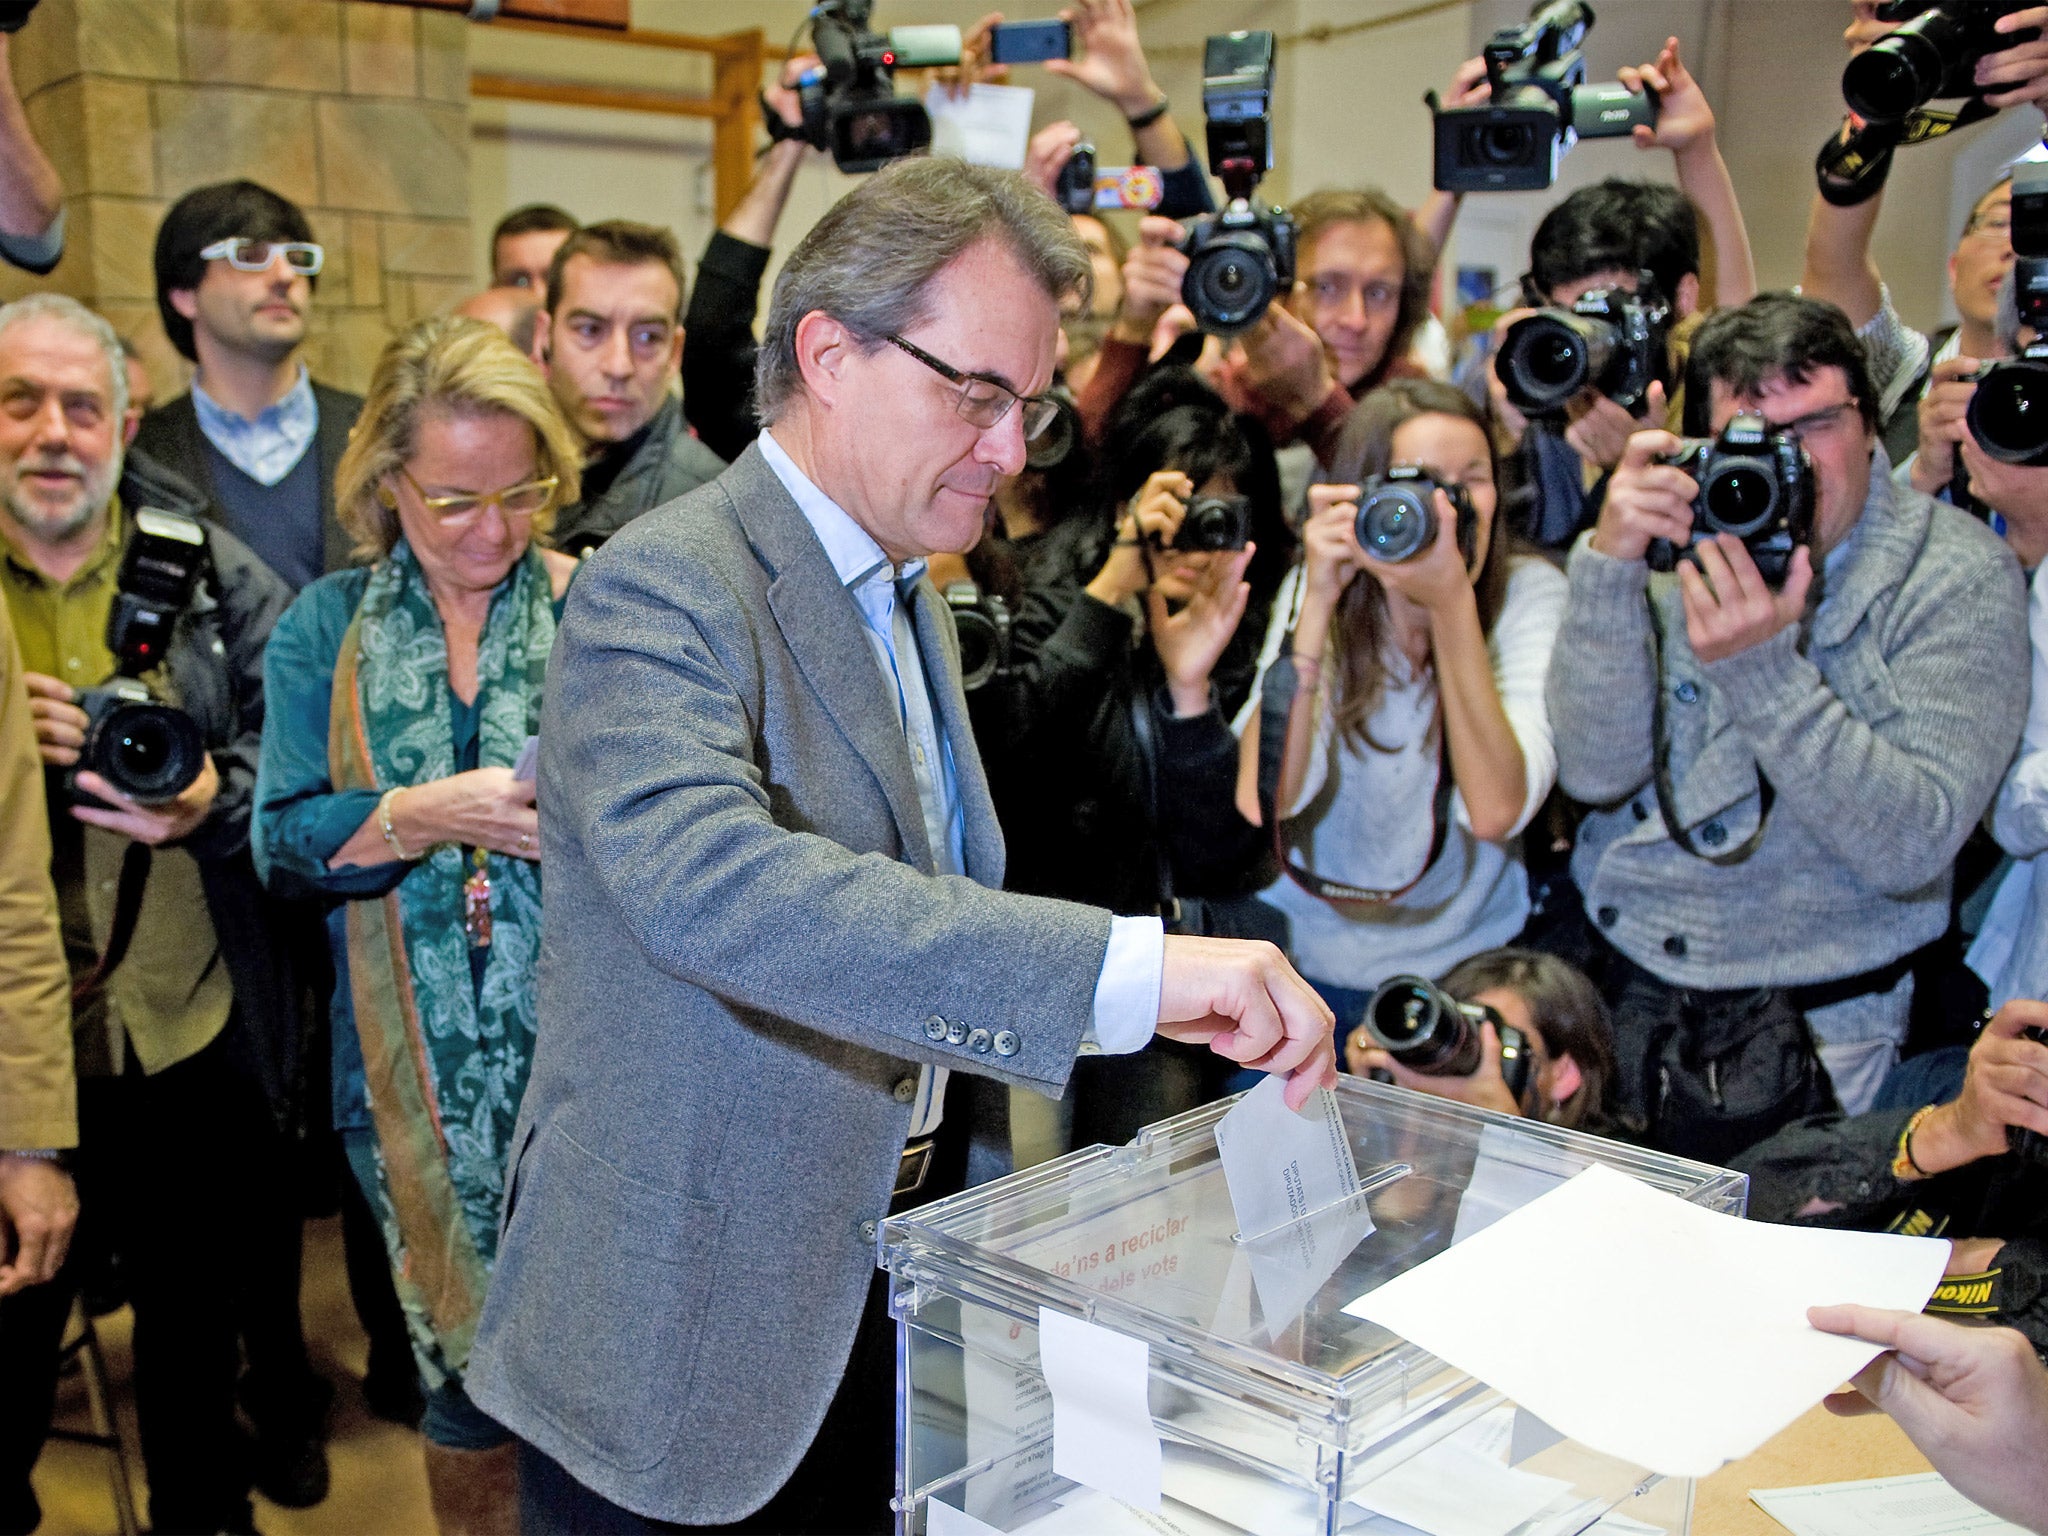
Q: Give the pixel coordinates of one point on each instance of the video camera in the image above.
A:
(1242, 259)
(1755, 482)
(1427, 1030)
(2008, 414)
(981, 624)
(148, 750)
(1610, 340)
(1397, 514)
(1540, 106)
(1934, 55)
(851, 108)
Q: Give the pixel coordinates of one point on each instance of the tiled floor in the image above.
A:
(379, 1488)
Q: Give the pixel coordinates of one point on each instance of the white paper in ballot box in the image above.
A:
(1673, 1337)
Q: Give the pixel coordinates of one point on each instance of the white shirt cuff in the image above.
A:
(1127, 992)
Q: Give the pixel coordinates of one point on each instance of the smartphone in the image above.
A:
(1029, 42)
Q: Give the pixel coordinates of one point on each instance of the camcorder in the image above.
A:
(1242, 259)
(1611, 340)
(981, 623)
(147, 749)
(1932, 56)
(2008, 414)
(1754, 482)
(850, 106)
(1215, 523)
(1427, 1030)
(1085, 187)
(1540, 107)
(1397, 514)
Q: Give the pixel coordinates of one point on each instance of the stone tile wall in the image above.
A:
(357, 112)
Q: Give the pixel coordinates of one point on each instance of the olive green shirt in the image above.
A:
(171, 995)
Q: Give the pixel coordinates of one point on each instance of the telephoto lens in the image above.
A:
(2008, 414)
(1551, 356)
(1427, 1030)
(1932, 56)
(147, 750)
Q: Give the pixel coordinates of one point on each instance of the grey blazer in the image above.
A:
(744, 957)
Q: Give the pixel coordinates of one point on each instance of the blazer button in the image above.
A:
(1687, 692)
(1675, 946)
(978, 1042)
(867, 1231)
(935, 1029)
(1713, 834)
(1007, 1042)
(905, 1090)
(1607, 917)
(956, 1033)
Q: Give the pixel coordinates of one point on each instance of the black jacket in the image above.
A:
(719, 346)
(170, 435)
(214, 666)
(1104, 796)
(667, 463)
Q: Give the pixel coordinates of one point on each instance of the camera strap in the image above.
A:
(1660, 760)
(1854, 162)
(127, 908)
(1279, 697)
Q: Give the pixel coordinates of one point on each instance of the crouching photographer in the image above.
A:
(1787, 688)
(182, 1000)
(1973, 1170)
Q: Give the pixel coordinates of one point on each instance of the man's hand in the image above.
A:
(1284, 364)
(1646, 499)
(1600, 429)
(1469, 86)
(38, 1209)
(1191, 641)
(1112, 60)
(2005, 1084)
(1943, 424)
(151, 824)
(1684, 120)
(2017, 75)
(1244, 1001)
(1728, 606)
(1974, 1400)
(1047, 155)
(60, 724)
(1153, 272)
(974, 66)
(782, 97)
(1486, 1087)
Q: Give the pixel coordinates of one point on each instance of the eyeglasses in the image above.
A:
(244, 255)
(514, 501)
(1816, 424)
(984, 402)
(1997, 223)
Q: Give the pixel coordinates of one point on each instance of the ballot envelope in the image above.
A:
(1093, 1346)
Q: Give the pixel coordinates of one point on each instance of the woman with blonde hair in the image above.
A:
(401, 698)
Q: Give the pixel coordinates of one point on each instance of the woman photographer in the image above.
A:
(1416, 740)
(1559, 1013)
(400, 698)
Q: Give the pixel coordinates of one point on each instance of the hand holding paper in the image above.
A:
(1245, 1002)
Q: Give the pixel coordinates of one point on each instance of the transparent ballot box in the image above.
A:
(1274, 1410)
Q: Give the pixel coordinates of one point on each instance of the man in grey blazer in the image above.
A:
(772, 924)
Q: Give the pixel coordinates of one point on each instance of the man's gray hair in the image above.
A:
(68, 311)
(869, 262)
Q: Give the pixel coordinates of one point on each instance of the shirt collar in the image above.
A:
(294, 405)
(855, 556)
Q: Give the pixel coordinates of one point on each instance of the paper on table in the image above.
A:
(1674, 1337)
(990, 125)
(1455, 1489)
(1102, 1430)
(1923, 1505)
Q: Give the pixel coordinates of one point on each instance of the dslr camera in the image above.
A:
(851, 108)
(1215, 523)
(1611, 340)
(1754, 482)
(1933, 56)
(2008, 414)
(1397, 514)
(147, 749)
(981, 623)
(1242, 259)
(1427, 1030)
(1540, 107)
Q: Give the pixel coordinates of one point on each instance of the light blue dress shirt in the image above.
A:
(266, 448)
(1126, 1006)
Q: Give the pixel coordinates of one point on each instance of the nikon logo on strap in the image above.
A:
(1966, 1295)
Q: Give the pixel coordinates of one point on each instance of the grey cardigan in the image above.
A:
(744, 958)
(1883, 722)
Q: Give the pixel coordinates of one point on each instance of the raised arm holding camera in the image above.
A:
(1784, 743)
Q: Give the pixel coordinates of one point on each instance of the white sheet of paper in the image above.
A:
(1088, 1513)
(1102, 1431)
(1643, 1291)
(1281, 1165)
(990, 125)
(1924, 1505)
(1456, 1489)
(942, 1519)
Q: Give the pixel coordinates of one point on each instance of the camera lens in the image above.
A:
(1904, 70)
(1229, 285)
(1549, 357)
(1050, 448)
(2008, 414)
(147, 751)
(1422, 1028)
(1739, 497)
(980, 649)
(1396, 523)
(1501, 144)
